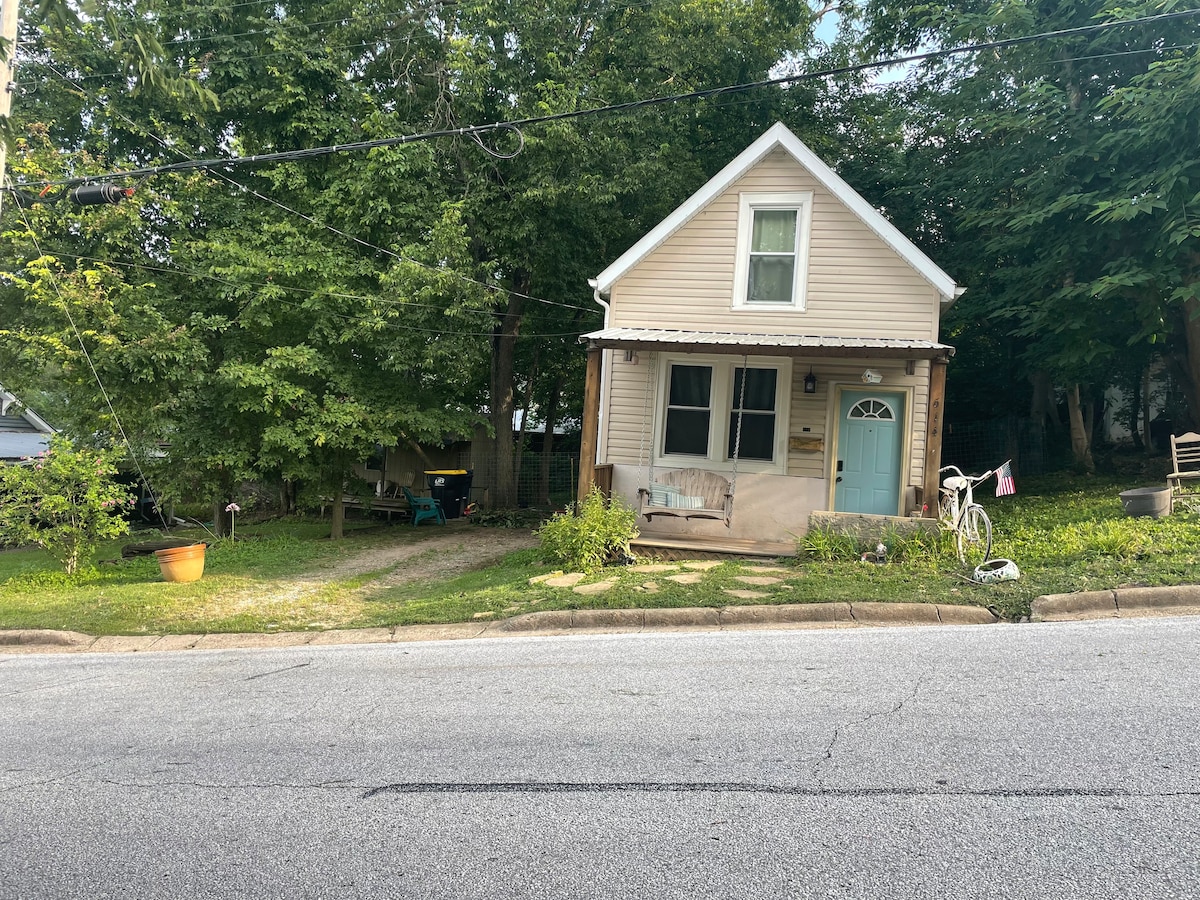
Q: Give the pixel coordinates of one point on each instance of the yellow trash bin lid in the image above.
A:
(445, 471)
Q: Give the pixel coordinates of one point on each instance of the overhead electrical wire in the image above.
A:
(332, 229)
(514, 125)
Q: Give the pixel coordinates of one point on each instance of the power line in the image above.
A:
(312, 221)
(514, 125)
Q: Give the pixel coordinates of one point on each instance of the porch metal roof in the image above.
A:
(765, 344)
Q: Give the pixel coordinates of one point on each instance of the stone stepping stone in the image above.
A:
(538, 579)
(483, 615)
(649, 587)
(746, 595)
(654, 567)
(569, 580)
(596, 587)
(761, 570)
(702, 565)
(686, 578)
(758, 579)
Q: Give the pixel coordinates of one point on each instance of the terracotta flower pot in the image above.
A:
(181, 563)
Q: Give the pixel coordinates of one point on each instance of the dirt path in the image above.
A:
(435, 557)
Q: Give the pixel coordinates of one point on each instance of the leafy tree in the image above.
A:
(65, 500)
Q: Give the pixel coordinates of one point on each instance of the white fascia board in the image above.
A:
(778, 135)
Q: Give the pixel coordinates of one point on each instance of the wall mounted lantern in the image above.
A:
(810, 382)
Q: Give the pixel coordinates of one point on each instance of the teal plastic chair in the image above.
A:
(424, 508)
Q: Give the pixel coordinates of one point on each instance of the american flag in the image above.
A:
(1004, 480)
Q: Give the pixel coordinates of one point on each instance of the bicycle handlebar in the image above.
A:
(974, 479)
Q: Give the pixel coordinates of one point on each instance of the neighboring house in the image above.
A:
(778, 266)
(22, 432)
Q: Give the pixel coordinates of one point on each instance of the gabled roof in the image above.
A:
(21, 435)
(29, 420)
(778, 136)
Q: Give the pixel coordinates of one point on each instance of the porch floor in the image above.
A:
(678, 546)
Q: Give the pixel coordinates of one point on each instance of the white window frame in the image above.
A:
(801, 202)
(721, 404)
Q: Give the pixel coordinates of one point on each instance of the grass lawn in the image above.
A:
(1066, 534)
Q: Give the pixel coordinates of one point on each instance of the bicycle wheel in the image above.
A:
(974, 537)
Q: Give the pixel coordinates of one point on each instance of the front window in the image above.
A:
(772, 275)
(771, 268)
(703, 400)
(688, 411)
(757, 408)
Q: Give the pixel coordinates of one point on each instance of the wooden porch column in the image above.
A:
(589, 441)
(933, 434)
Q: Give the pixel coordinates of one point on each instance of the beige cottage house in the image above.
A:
(770, 350)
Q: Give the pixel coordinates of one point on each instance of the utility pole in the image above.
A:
(8, 82)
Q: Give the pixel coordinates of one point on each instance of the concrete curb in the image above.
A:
(551, 622)
(1123, 602)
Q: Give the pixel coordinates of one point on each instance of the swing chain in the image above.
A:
(648, 472)
(737, 441)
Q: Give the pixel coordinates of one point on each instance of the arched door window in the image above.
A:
(871, 408)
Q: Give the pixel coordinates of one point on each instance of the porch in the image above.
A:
(786, 477)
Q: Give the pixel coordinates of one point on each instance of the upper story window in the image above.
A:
(772, 251)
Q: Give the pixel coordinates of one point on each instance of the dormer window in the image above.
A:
(772, 251)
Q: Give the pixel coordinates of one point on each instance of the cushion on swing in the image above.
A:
(684, 501)
(665, 495)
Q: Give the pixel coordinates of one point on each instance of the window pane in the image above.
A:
(687, 432)
(774, 231)
(771, 279)
(758, 436)
(690, 385)
(760, 389)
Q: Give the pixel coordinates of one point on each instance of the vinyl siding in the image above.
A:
(857, 285)
(629, 438)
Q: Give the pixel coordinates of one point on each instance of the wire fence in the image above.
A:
(564, 470)
(979, 446)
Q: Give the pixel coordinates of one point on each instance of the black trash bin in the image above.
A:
(452, 487)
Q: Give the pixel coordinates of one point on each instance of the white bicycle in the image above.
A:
(958, 512)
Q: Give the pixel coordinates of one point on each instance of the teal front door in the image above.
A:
(867, 471)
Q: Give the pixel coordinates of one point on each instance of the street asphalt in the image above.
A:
(1130, 602)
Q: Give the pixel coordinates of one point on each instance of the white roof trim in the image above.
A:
(778, 135)
(8, 399)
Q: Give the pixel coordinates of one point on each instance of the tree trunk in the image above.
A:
(504, 345)
(1135, 411)
(337, 514)
(543, 491)
(1080, 444)
(220, 518)
(1148, 441)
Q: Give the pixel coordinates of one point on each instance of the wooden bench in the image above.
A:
(687, 494)
(389, 505)
(1185, 461)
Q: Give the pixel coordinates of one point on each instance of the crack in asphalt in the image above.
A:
(643, 787)
(718, 787)
(277, 671)
(838, 729)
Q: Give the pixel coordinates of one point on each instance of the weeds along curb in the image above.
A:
(550, 622)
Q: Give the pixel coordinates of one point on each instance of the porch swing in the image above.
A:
(688, 493)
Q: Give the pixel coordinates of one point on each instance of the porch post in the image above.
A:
(933, 434)
(589, 441)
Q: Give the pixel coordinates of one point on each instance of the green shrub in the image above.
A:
(595, 532)
(63, 500)
(828, 545)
